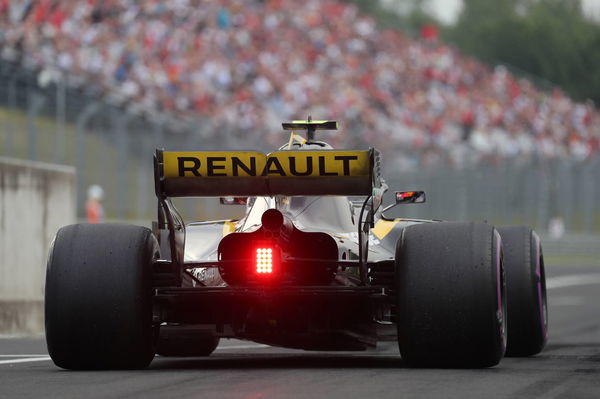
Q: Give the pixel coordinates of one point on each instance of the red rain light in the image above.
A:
(264, 260)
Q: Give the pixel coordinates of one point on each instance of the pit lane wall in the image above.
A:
(36, 199)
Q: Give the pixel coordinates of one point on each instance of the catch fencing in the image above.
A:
(48, 116)
(546, 195)
(62, 119)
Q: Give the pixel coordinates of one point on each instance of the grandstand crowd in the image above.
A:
(253, 63)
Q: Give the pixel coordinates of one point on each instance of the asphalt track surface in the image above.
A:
(569, 367)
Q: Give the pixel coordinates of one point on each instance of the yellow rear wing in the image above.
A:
(251, 173)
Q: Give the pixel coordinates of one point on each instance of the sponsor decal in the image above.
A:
(277, 164)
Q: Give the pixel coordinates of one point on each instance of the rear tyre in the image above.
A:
(450, 294)
(99, 297)
(185, 341)
(526, 291)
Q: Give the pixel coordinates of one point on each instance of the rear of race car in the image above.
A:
(280, 283)
(118, 294)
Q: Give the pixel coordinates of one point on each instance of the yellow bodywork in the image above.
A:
(276, 164)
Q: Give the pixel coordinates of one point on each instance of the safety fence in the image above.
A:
(552, 195)
(51, 117)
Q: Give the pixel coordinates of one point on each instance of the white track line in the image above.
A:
(572, 280)
(40, 358)
(255, 346)
(28, 360)
(27, 355)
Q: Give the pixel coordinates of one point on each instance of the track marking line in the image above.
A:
(572, 280)
(27, 355)
(28, 360)
(255, 346)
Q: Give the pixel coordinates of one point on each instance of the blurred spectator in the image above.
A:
(94, 210)
(556, 227)
(429, 32)
(251, 64)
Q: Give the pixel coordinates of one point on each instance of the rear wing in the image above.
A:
(251, 173)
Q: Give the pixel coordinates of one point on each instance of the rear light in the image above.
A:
(264, 260)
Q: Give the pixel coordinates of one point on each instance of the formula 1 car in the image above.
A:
(305, 268)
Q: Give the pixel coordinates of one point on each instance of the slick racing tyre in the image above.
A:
(185, 341)
(99, 297)
(526, 291)
(450, 293)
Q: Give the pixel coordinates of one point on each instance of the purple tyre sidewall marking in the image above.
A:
(538, 273)
(499, 289)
